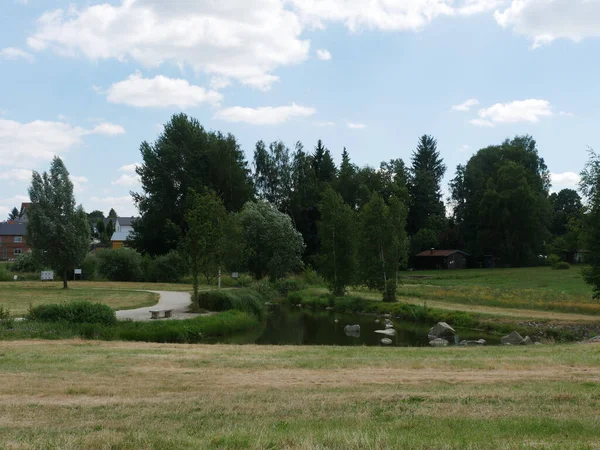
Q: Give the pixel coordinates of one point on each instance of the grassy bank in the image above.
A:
(199, 329)
(125, 395)
(18, 297)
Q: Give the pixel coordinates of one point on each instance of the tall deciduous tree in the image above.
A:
(590, 187)
(337, 226)
(501, 201)
(57, 230)
(206, 219)
(382, 244)
(273, 174)
(274, 246)
(185, 156)
(426, 209)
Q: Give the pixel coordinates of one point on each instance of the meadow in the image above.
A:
(78, 394)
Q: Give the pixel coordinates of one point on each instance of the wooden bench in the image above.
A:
(156, 313)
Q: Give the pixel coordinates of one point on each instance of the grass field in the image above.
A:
(77, 394)
(17, 297)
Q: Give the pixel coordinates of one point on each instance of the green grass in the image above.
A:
(18, 297)
(84, 394)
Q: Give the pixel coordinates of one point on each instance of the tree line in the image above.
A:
(355, 225)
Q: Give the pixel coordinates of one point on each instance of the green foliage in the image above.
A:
(185, 156)
(382, 244)
(553, 260)
(273, 174)
(74, 312)
(338, 259)
(57, 231)
(236, 299)
(265, 288)
(89, 267)
(288, 285)
(169, 268)
(274, 246)
(121, 264)
(501, 202)
(14, 214)
(590, 186)
(27, 263)
(426, 173)
(562, 265)
(206, 219)
(4, 275)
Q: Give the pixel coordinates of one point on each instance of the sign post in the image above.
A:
(77, 272)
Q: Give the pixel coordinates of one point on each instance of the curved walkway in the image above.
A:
(179, 302)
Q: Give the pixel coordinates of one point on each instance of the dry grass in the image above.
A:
(18, 297)
(77, 394)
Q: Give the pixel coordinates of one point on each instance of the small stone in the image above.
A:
(438, 342)
(386, 341)
(389, 325)
(387, 332)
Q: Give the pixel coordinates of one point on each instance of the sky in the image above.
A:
(91, 80)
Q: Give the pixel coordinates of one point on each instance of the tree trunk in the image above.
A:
(65, 284)
(195, 282)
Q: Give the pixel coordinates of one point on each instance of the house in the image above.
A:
(123, 227)
(12, 240)
(441, 259)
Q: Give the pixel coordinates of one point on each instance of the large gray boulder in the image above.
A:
(386, 341)
(527, 341)
(513, 338)
(438, 342)
(441, 330)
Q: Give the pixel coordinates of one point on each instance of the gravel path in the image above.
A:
(177, 301)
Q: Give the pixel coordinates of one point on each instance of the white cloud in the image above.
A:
(471, 7)
(16, 53)
(464, 148)
(324, 124)
(129, 168)
(23, 145)
(530, 110)
(323, 54)
(543, 21)
(78, 183)
(566, 114)
(565, 179)
(109, 129)
(481, 123)
(16, 175)
(160, 91)
(355, 126)
(129, 178)
(266, 115)
(123, 205)
(466, 106)
(241, 40)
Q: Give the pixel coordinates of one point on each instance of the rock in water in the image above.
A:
(438, 342)
(527, 341)
(513, 338)
(352, 330)
(387, 332)
(441, 330)
(389, 325)
(471, 343)
(386, 341)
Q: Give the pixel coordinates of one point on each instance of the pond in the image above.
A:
(299, 326)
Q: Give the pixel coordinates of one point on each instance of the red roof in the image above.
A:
(440, 253)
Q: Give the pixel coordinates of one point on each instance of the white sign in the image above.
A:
(15, 277)
(235, 275)
(48, 276)
(77, 271)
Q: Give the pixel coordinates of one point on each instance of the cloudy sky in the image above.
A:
(90, 80)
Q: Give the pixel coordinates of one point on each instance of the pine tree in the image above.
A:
(112, 214)
(57, 231)
(347, 182)
(14, 214)
(337, 262)
(323, 164)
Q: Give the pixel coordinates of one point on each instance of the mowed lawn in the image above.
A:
(78, 394)
(19, 296)
(537, 288)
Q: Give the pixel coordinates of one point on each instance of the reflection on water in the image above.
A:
(299, 326)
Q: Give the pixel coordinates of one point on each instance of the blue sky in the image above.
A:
(91, 80)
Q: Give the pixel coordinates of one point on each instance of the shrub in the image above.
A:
(284, 287)
(265, 289)
(561, 266)
(240, 300)
(90, 267)
(4, 275)
(26, 262)
(169, 268)
(121, 264)
(553, 260)
(74, 312)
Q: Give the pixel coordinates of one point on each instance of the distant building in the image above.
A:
(441, 260)
(13, 241)
(123, 228)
